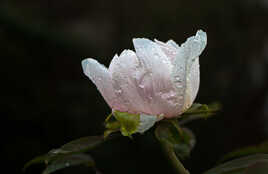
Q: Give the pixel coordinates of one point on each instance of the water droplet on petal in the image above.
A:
(178, 79)
(179, 86)
(119, 91)
(141, 86)
(67, 164)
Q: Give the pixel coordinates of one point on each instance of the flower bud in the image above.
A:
(158, 79)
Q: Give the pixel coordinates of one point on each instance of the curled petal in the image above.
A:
(101, 77)
(192, 48)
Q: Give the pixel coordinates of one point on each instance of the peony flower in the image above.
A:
(158, 79)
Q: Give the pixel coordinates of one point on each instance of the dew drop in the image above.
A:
(55, 151)
(119, 91)
(178, 79)
(67, 164)
(141, 86)
(179, 86)
(180, 97)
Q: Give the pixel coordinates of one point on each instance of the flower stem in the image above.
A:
(179, 168)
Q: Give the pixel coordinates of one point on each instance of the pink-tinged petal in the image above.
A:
(178, 78)
(101, 77)
(158, 85)
(168, 48)
(127, 74)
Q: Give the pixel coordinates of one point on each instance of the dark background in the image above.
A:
(47, 101)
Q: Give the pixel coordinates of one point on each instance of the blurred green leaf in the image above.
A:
(239, 166)
(81, 145)
(74, 147)
(199, 111)
(261, 148)
(36, 160)
(68, 161)
(258, 168)
(181, 140)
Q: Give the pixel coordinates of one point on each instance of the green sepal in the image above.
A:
(245, 165)
(199, 111)
(181, 140)
(129, 123)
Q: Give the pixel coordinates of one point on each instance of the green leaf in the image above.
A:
(261, 148)
(199, 111)
(239, 166)
(81, 145)
(68, 161)
(181, 140)
(258, 168)
(36, 160)
(129, 123)
(74, 147)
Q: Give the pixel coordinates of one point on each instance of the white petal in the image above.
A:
(167, 48)
(100, 76)
(173, 43)
(194, 46)
(191, 50)
(185, 72)
(173, 51)
(193, 80)
(178, 77)
(158, 84)
(127, 74)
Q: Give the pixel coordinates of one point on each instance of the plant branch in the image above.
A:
(178, 166)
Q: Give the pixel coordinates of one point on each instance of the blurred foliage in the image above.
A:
(180, 140)
(175, 140)
(261, 148)
(254, 164)
(70, 154)
(46, 100)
